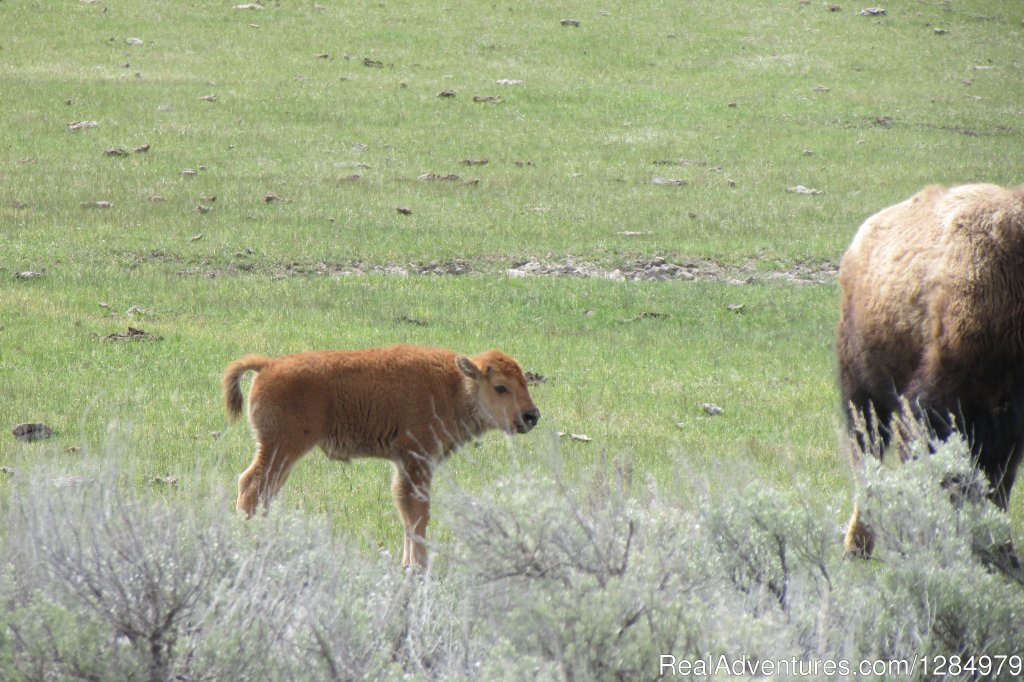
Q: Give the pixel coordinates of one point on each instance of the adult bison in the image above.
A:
(932, 313)
(411, 405)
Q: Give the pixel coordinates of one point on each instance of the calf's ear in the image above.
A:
(468, 368)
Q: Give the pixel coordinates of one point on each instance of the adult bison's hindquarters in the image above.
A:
(411, 405)
(932, 312)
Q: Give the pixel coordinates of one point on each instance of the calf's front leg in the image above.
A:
(411, 489)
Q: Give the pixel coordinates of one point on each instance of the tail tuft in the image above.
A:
(233, 379)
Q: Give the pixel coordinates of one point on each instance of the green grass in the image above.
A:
(726, 93)
(633, 385)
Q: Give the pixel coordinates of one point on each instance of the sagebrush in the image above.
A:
(545, 575)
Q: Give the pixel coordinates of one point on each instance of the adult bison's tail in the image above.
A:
(233, 379)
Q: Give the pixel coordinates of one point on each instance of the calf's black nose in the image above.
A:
(531, 417)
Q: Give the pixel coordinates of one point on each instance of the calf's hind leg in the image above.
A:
(263, 479)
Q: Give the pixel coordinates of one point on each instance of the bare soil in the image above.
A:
(640, 269)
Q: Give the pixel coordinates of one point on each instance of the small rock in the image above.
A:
(580, 437)
(201, 209)
(800, 189)
(135, 41)
(372, 63)
(649, 314)
(7, 470)
(494, 99)
(96, 204)
(142, 149)
(677, 182)
(196, 237)
(32, 431)
(132, 334)
(115, 152)
(736, 307)
(271, 197)
(508, 81)
(474, 162)
(404, 210)
(873, 12)
(169, 481)
(71, 481)
(446, 93)
(414, 321)
(249, 5)
(188, 172)
(535, 378)
(83, 125)
(712, 409)
(29, 274)
(939, 31)
(570, 22)
(432, 177)
(208, 98)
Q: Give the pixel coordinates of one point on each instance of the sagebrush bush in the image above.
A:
(545, 577)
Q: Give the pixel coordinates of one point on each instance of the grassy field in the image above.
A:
(304, 126)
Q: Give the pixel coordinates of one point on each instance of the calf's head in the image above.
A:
(501, 390)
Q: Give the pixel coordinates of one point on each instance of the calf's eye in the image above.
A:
(500, 389)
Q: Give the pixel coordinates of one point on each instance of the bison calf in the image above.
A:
(411, 405)
(932, 313)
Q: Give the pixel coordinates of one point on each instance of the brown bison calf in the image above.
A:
(932, 312)
(411, 405)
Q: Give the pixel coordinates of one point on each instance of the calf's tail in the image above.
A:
(233, 379)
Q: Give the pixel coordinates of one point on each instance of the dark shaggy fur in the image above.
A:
(932, 312)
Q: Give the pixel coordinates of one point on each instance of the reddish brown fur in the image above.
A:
(932, 311)
(411, 405)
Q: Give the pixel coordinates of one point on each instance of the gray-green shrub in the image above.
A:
(545, 576)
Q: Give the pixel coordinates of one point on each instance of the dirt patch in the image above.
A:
(358, 268)
(659, 269)
(639, 269)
